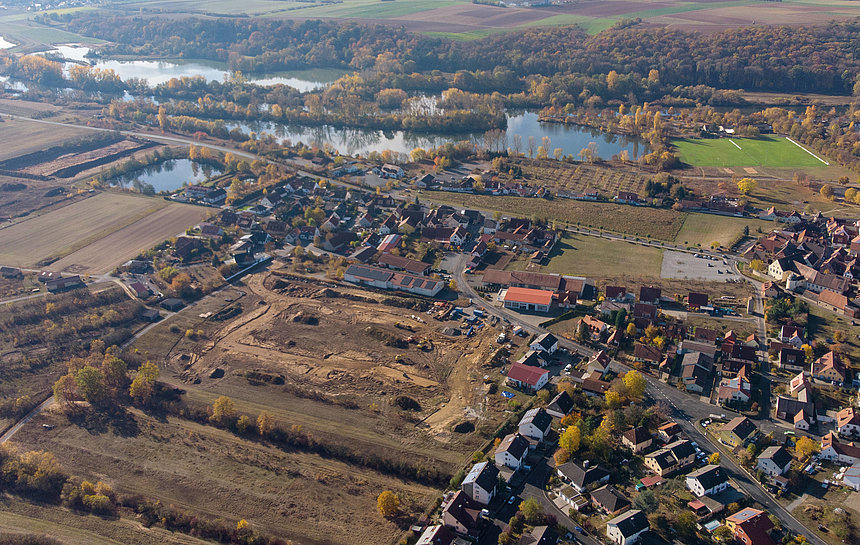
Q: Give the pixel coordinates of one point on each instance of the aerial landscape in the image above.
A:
(414, 272)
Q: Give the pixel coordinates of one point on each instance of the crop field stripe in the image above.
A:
(807, 151)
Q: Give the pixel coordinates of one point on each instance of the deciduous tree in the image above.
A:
(388, 503)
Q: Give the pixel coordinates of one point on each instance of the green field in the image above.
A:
(583, 255)
(765, 151)
(703, 229)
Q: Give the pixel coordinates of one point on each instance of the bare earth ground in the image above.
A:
(117, 225)
(72, 159)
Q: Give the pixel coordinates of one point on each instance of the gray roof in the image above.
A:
(611, 499)
(538, 417)
(741, 426)
(778, 455)
(699, 359)
(514, 444)
(547, 340)
(562, 403)
(630, 523)
(709, 476)
(485, 475)
(580, 476)
(370, 273)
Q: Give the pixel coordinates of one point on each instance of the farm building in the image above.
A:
(388, 280)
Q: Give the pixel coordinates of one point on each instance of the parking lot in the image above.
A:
(685, 266)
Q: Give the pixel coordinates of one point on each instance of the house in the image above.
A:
(738, 431)
(187, 248)
(403, 264)
(696, 300)
(627, 528)
(595, 387)
(610, 500)
(839, 303)
(207, 194)
(792, 359)
(480, 483)
(789, 332)
(637, 439)
(150, 315)
(436, 535)
(389, 242)
(667, 431)
(835, 451)
(461, 513)
(829, 367)
(527, 299)
(671, 458)
(647, 311)
(650, 294)
(779, 269)
(512, 451)
(710, 479)
(561, 405)
(598, 364)
(532, 358)
(848, 422)
(787, 408)
(526, 377)
(63, 284)
(596, 327)
(545, 343)
(535, 424)
(140, 290)
(647, 353)
(582, 477)
(774, 461)
(735, 390)
(797, 384)
(616, 293)
(696, 370)
(750, 527)
(540, 535)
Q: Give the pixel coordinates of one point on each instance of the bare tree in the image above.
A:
(518, 143)
(532, 146)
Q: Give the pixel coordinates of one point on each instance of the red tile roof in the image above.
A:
(528, 295)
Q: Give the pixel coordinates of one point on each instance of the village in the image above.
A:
(720, 405)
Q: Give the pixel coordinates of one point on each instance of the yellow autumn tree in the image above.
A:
(388, 503)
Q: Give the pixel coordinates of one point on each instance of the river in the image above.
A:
(570, 138)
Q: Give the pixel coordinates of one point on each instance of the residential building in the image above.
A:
(561, 405)
(436, 535)
(480, 483)
(388, 280)
(608, 499)
(672, 458)
(646, 353)
(710, 479)
(540, 535)
(735, 390)
(848, 422)
(834, 450)
(667, 431)
(461, 513)
(535, 424)
(792, 359)
(545, 343)
(738, 432)
(650, 294)
(526, 377)
(750, 527)
(582, 477)
(532, 358)
(637, 439)
(829, 367)
(627, 528)
(774, 461)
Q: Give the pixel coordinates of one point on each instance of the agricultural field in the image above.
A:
(558, 175)
(462, 20)
(765, 151)
(96, 234)
(704, 229)
(656, 223)
(581, 255)
(329, 360)
(21, 137)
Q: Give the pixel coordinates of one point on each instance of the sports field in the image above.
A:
(765, 151)
(96, 234)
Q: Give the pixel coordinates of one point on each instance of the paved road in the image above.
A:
(687, 410)
(14, 429)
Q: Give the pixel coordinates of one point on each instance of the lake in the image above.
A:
(156, 72)
(6, 44)
(170, 175)
(570, 138)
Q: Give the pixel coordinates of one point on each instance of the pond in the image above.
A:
(169, 175)
(570, 138)
(156, 72)
(6, 44)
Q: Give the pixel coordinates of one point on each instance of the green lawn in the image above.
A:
(374, 9)
(581, 255)
(765, 151)
(704, 229)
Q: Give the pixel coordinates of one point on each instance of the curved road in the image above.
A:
(686, 410)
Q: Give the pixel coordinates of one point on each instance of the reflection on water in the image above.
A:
(169, 175)
(572, 139)
(156, 72)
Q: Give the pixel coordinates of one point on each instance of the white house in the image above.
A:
(774, 461)
(535, 424)
(545, 343)
(627, 529)
(835, 451)
(710, 479)
(512, 451)
(848, 422)
(480, 483)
